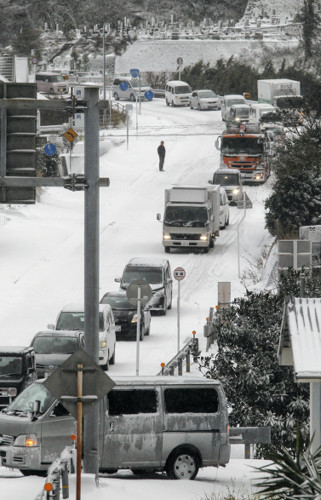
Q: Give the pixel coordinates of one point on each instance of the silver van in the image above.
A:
(51, 83)
(227, 102)
(172, 424)
(128, 88)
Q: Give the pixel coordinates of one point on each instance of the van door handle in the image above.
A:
(111, 426)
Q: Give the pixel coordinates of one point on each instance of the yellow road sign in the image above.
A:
(70, 134)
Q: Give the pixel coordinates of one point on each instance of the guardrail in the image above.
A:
(249, 436)
(57, 479)
(189, 349)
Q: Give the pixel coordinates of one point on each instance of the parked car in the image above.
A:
(156, 272)
(51, 83)
(227, 102)
(231, 180)
(72, 317)
(125, 314)
(17, 371)
(128, 88)
(177, 93)
(240, 113)
(204, 99)
(224, 209)
(53, 347)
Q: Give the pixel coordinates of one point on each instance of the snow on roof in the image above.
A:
(300, 340)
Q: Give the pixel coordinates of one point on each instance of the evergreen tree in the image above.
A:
(259, 391)
(310, 25)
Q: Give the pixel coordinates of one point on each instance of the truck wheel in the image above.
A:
(167, 249)
(183, 464)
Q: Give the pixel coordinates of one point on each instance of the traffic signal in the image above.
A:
(18, 139)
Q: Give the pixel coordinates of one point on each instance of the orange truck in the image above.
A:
(246, 148)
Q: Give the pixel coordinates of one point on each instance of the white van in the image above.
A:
(128, 88)
(174, 424)
(259, 109)
(72, 317)
(227, 102)
(51, 83)
(177, 93)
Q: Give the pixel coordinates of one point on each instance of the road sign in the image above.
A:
(34, 60)
(70, 134)
(134, 73)
(63, 382)
(132, 292)
(50, 149)
(179, 61)
(123, 85)
(179, 273)
(149, 94)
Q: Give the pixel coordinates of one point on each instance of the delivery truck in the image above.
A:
(279, 92)
(191, 217)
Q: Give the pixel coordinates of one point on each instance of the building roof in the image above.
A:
(300, 339)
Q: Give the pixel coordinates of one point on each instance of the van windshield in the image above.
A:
(135, 83)
(54, 344)
(182, 89)
(242, 145)
(24, 401)
(230, 102)
(153, 275)
(186, 216)
(226, 179)
(118, 302)
(10, 365)
(75, 321)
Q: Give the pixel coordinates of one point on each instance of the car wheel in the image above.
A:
(183, 464)
(113, 358)
(147, 332)
(199, 107)
(190, 105)
(167, 103)
(132, 98)
(116, 96)
(105, 367)
(173, 105)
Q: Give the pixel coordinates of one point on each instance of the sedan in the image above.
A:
(125, 315)
(53, 347)
(204, 99)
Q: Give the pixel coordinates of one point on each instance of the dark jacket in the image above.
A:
(161, 150)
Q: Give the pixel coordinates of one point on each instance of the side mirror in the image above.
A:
(210, 181)
(51, 326)
(159, 217)
(36, 406)
(118, 280)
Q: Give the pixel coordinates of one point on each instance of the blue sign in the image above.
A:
(134, 73)
(149, 94)
(123, 85)
(50, 149)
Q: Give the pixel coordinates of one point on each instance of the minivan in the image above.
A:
(231, 180)
(177, 93)
(156, 272)
(51, 83)
(227, 102)
(126, 87)
(72, 317)
(174, 424)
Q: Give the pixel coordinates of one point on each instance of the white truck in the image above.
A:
(191, 217)
(280, 92)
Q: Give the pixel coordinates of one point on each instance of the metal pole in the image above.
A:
(3, 142)
(140, 99)
(139, 293)
(178, 314)
(79, 429)
(104, 72)
(238, 238)
(91, 257)
(127, 127)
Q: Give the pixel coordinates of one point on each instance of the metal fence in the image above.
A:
(184, 355)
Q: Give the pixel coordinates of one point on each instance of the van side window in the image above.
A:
(132, 402)
(184, 400)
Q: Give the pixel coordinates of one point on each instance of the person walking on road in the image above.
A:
(161, 153)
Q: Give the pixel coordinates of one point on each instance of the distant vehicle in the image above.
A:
(177, 93)
(240, 113)
(51, 83)
(232, 183)
(191, 217)
(204, 99)
(280, 92)
(258, 110)
(53, 347)
(224, 209)
(17, 371)
(156, 272)
(72, 317)
(128, 88)
(125, 315)
(228, 101)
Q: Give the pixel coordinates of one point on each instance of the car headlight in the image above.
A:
(204, 237)
(166, 236)
(9, 391)
(134, 319)
(236, 191)
(258, 177)
(27, 440)
(103, 344)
